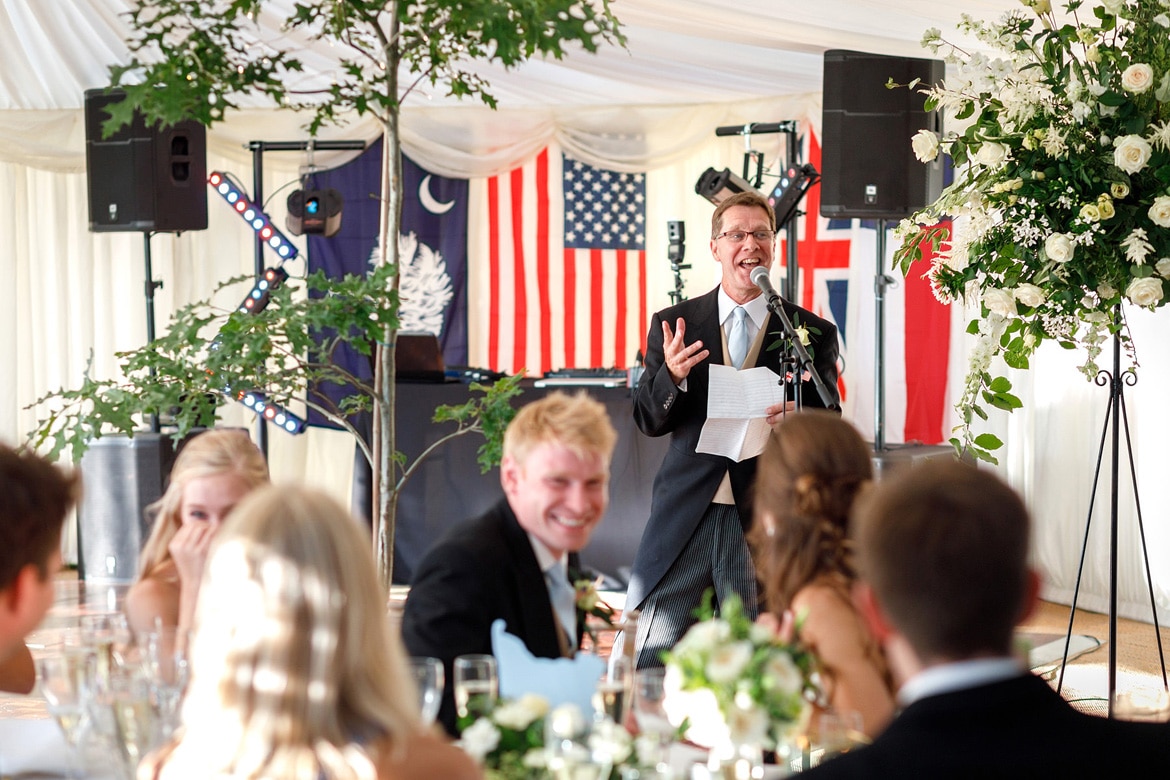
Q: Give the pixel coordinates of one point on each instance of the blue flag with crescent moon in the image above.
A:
(432, 250)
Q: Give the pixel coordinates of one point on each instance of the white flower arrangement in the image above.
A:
(734, 682)
(1061, 197)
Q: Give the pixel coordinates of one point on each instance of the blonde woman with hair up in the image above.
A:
(812, 468)
(213, 471)
(295, 672)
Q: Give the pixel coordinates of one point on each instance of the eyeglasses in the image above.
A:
(739, 236)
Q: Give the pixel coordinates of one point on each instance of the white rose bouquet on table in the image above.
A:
(736, 682)
(1061, 197)
(509, 742)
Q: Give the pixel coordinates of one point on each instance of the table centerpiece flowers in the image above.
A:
(1061, 196)
(738, 686)
(511, 742)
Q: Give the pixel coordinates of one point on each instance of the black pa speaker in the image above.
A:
(868, 167)
(144, 178)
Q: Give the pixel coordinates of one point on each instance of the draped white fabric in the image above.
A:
(691, 65)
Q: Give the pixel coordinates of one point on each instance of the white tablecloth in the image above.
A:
(36, 749)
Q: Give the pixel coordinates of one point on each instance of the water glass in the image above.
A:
(477, 684)
(429, 679)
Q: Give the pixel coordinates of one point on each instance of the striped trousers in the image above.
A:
(716, 556)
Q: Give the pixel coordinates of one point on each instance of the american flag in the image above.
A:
(561, 246)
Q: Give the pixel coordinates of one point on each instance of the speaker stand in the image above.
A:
(150, 286)
(881, 281)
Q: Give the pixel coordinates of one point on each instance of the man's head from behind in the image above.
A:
(35, 496)
(555, 470)
(944, 548)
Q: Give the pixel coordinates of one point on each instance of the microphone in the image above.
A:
(757, 128)
(761, 279)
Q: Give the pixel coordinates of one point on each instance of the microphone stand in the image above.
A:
(776, 306)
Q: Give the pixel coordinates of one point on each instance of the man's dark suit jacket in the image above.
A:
(1018, 728)
(687, 481)
(479, 571)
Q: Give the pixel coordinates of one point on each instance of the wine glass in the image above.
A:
(477, 684)
(66, 684)
(429, 678)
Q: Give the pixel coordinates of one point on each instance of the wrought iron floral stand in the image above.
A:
(1116, 416)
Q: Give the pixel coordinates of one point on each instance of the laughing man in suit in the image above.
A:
(701, 506)
(508, 563)
(942, 551)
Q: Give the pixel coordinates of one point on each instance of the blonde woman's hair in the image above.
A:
(295, 671)
(576, 421)
(218, 451)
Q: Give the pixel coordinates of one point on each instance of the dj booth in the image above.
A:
(448, 487)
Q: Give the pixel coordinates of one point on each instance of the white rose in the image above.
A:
(1144, 292)
(1162, 267)
(480, 738)
(1030, 295)
(783, 673)
(1113, 6)
(1000, 301)
(1137, 78)
(728, 661)
(991, 154)
(1059, 247)
(1131, 153)
(703, 636)
(925, 145)
(520, 714)
(747, 725)
(1159, 212)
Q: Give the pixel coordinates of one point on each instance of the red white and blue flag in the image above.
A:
(559, 249)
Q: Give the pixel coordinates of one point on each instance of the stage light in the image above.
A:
(314, 211)
(272, 411)
(253, 215)
(257, 298)
(718, 186)
(794, 183)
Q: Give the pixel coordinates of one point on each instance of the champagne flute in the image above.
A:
(477, 684)
(164, 651)
(429, 678)
(609, 698)
(109, 635)
(129, 697)
(65, 682)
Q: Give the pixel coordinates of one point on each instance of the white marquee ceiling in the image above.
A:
(680, 51)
